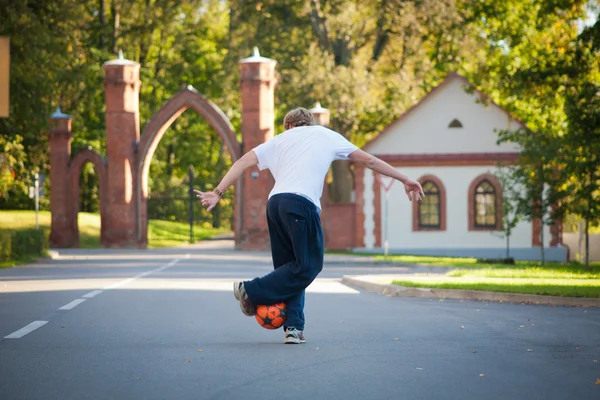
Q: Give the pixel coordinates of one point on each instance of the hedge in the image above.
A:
(22, 244)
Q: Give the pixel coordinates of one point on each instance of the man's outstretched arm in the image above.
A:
(413, 189)
(211, 199)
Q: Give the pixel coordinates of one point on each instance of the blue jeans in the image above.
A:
(297, 249)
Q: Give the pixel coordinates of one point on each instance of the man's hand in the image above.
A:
(413, 190)
(208, 199)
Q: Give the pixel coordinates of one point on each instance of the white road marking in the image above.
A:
(36, 324)
(72, 304)
(91, 294)
(26, 329)
(129, 280)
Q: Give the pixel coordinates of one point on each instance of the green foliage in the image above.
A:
(22, 244)
(366, 61)
(512, 198)
(12, 164)
(5, 246)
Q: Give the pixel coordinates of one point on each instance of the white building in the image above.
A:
(448, 143)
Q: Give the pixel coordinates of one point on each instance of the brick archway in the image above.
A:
(124, 178)
(158, 125)
(83, 157)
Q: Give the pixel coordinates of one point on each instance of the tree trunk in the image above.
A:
(102, 19)
(116, 25)
(341, 187)
(587, 243)
(507, 245)
(542, 241)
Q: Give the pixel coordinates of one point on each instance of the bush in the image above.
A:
(508, 261)
(22, 244)
(5, 246)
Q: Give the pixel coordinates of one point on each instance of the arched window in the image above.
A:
(485, 202)
(429, 207)
(485, 205)
(429, 214)
(455, 124)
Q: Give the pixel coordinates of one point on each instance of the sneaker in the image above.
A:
(245, 304)
(294, 336)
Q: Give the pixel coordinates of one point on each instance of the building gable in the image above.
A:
(448, 120)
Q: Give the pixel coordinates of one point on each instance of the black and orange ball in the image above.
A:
(271, 317)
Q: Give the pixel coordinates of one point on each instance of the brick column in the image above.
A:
(62, 234)
(122, 87)
(321, 114)
(258, 113)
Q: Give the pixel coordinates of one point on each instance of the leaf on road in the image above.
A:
(139, 378)
(397, 338)
(530, 350)
(577, 348)
(521, 326)
(62, 326)
(189, 361)
(474, 351)
(597, 381)
(199, 351)
(481, 374)
(316, 348)
(462, 327)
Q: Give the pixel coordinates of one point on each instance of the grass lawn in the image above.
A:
(529, 277)
(465, 262)
(160, 233)
(571, 281)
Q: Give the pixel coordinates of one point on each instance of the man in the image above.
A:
(298, 159)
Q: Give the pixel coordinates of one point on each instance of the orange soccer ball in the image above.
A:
(271, 317)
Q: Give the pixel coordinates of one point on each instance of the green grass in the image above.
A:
(570, 280)
(160, 233)
(465, 262)
(166, 233)
(550, 287)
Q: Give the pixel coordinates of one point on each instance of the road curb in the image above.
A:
(401, 291)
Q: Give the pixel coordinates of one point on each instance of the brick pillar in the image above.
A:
(122, 87)
(62, 234)
(258, 114)
(321, 114)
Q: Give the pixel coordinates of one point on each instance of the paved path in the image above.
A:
(163, 324)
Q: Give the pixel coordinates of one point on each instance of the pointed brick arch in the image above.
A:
(152, 135)
(75, 165)
(124, 175)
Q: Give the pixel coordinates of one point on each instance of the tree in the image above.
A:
(536, 175)
(512, 197)
(582, 162)
(12, 162)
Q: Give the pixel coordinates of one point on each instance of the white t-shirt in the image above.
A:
(299, 159)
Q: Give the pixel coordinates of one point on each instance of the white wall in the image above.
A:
(576, 242)
(425, 129)
(456, 181)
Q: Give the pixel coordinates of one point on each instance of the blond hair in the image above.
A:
(298, 117)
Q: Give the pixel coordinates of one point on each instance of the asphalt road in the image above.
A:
(164, 324)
